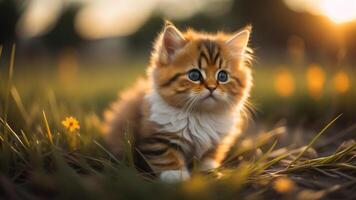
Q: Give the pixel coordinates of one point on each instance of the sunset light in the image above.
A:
(315, 76)
(177, 99)
(338, 11)
(284, 83)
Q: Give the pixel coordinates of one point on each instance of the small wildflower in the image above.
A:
(283, 185)
(71, 124)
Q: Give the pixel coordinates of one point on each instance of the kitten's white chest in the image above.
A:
(203, 130)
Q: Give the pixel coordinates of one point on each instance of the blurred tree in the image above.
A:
(64, 35)
(273, 25)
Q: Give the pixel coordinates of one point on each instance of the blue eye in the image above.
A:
(222, 76)
(194, 75)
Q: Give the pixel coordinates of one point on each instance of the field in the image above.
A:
(299, 144)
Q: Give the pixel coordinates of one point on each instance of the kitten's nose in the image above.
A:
(211, 88)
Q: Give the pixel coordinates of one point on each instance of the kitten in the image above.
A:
(190, 106)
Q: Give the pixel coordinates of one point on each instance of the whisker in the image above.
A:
(190, 103)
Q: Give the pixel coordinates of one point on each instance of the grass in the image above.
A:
(40, 159)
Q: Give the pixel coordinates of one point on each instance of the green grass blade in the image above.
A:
(128, 148)
(49, 133)
(9, 85)
(313, 141)
(106, 151)
(16, 96)
(7, 126)
(24, 136)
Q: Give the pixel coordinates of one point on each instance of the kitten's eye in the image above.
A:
(194, 75)
(222, 76)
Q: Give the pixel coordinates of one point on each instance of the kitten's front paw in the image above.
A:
(208, 164)
(174, 176)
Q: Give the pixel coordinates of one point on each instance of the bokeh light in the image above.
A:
(39, 17)
(284, 83)
(315, 81)
(341, 82)
(99, 19)
(283, 185)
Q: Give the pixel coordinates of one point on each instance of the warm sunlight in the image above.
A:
(178, 99)
(341, 82)
(339, 11)
(284, 83)
(315, 76)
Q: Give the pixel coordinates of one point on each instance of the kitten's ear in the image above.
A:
(239, 41)
(171, 41)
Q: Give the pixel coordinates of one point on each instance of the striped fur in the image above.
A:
(175, 120)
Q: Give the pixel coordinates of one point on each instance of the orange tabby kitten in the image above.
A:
(190, 106)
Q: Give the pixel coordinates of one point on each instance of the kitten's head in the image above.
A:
(201, 72)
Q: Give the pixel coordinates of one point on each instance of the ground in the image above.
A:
(297, 146)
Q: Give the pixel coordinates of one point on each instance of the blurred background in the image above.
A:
(80, 53)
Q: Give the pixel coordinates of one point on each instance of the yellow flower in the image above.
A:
(283, 185)
(71, 124)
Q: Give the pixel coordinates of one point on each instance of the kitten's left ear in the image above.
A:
(239, 41)
(172, 40)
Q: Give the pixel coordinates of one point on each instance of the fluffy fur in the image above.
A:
(191, 104)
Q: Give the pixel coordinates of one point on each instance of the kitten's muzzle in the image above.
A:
(210, 95)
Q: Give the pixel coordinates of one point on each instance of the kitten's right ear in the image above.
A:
(239, 41)
(171, 40)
